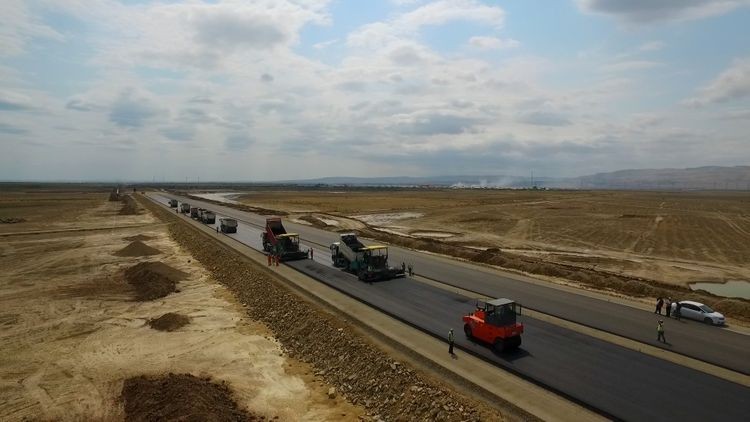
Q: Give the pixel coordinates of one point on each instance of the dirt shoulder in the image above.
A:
(74, 329)
(358, 368)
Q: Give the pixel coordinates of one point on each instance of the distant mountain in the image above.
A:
(737, 177)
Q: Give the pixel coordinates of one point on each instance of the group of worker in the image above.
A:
(672, 307)
(408, 269)
(275, 259)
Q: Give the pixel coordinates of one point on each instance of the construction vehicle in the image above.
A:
(277, 241)
(185, 208)
(173, 203)
(228, 225)
(495, 323)
(194, 212)
(369, 263)
(208, 217)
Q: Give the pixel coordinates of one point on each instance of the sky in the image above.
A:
(261, 90)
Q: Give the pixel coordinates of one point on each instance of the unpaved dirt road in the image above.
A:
(71, 330)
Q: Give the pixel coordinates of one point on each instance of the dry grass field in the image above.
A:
(671, 237)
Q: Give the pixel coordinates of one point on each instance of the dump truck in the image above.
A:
(495, 323)
(173, 203)
(369, 263)
(208, 217)
(228, 225)
(277, 241)
(185, 208)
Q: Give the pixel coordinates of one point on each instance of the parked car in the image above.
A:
(700, 312)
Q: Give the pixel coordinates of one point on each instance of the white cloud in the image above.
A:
(324, 44)
(13, 101)
(649, 11)
(651, 46)
(629, 65)
(492, 43)
(18, 27)
(440, 12)
(731, 85)
(133, 109)
(444, 11)
(205, 35)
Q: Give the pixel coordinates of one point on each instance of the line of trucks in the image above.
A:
(227, 225)
(493, 323)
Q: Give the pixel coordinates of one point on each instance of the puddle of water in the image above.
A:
(219, 196)
(734, 288)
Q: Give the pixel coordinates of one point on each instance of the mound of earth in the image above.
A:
(169, 322)
(137, 248)
(138, 237)
(12, 220)
(180, 397)
(129, 207)
(153, 280)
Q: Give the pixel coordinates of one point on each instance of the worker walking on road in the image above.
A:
(660, 332)
(677, 310)
(311, 253)
(659, 304)
(278, 258)
(411, 270)
(269, 259)
(451, 338)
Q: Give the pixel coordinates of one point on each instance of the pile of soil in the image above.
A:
(169, 322)
(180, 397)
(12, 220)
(153, 280)
(137, 248)
(138, 237)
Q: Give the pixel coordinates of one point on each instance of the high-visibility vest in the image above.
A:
(660, 328)
(450, 336)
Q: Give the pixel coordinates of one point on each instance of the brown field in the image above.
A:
(670, 237)
(77, 337)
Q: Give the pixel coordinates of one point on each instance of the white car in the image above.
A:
(700, 312)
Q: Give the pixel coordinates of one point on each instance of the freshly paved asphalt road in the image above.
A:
(714, 345)
(620, 382)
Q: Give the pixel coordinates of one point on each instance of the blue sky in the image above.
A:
(280, 89)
